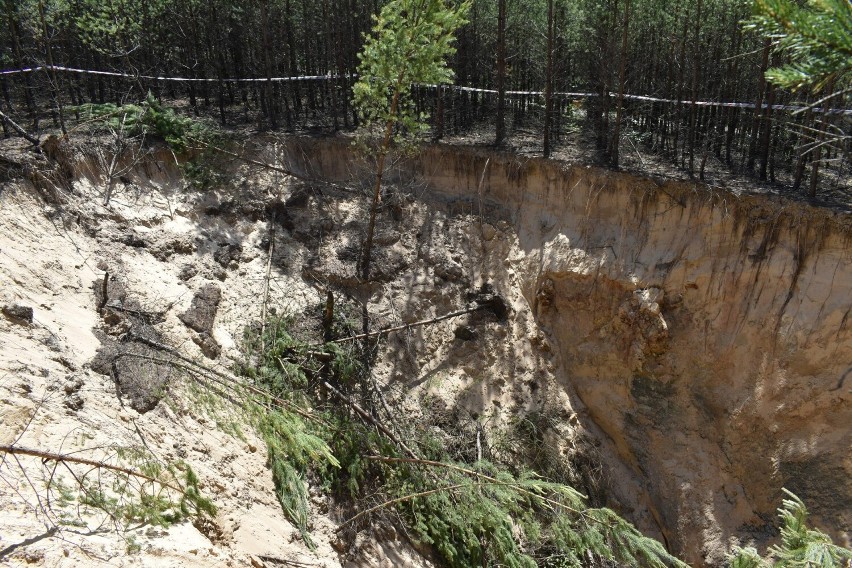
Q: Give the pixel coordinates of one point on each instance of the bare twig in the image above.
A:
(266, 287)
(223, 379)
(407, 326)
(369, 418)
(66, 458)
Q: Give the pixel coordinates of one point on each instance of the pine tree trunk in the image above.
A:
(758, 106)
(548, 88)
(501, 73)
(696, 69)
(54, 79)
(267, 65)
(616, 136)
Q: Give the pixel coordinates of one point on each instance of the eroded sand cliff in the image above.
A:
(693, 338)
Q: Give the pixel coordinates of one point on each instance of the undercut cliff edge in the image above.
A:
(702, 336)
(697, 338)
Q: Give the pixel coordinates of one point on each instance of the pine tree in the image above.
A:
(411, 42)
(817, 38)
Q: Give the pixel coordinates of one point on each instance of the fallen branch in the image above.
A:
(65, 458)
(138, 313)
(19, 129)
(417, 495)
(488, 478)
(366, 416)
(406, 326)
(400, 500)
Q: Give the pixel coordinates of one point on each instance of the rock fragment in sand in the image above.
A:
(18, 313)
(188, 272)
(465, 333)
(202, 311)
(209, 346)
(227, 253)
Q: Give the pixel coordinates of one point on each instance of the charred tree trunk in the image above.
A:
(696, 69)
(758, 106)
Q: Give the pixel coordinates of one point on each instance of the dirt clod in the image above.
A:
(202, 311)
(18, 313)
(208, 345)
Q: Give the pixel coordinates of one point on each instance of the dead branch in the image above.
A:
(138, 313)
(408, 326)
(66, 459)
(19, 129)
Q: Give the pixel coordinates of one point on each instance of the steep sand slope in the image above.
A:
(159, 247)
(697, 338)
(703, 335)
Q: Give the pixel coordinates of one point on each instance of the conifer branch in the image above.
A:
(487, 478)
(402, 499)
(369, 418)
(20, 130)
(66, 458)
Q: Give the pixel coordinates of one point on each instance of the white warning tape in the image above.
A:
(453, 87)
(158, 78)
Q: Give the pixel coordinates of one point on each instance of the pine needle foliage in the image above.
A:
(800, 546)
(149, 117)
(816, 36)
(748, 557)
(481, 514)
(292, 451)
(295, 447)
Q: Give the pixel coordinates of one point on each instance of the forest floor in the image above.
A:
(577, 146)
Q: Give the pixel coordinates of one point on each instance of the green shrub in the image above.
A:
(800, 546)
(149, 118)
(472, 515)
